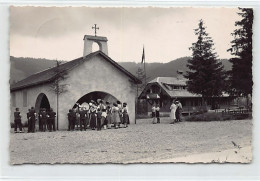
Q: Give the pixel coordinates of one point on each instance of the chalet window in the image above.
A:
(14, 99)
(24, 98)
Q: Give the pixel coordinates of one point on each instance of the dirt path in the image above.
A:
(143, 142)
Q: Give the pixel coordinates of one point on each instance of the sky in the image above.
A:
(165, 33)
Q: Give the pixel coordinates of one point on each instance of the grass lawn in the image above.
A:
(141, 142)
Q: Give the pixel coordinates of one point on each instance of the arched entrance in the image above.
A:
(42, 102)
(94, 96)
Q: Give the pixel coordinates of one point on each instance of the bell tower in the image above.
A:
(89, 40)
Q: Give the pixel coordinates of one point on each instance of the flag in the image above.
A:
(143, 56)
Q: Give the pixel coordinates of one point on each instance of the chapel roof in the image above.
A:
(48, 75)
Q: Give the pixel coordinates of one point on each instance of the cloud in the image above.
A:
(167, 33)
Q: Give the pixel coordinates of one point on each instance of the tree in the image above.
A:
(56, 86)
(206, 75)
(141, 75)
(141, 105)
(240, 77)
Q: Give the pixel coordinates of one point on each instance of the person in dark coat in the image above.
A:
(70, 120)
(157, 113)
(40, 120)
(83, 118)
(119, 105)
(125, 114)
(92, 116)
(44, 118)
(17, 121)
(51, 118)
(74, 119)
(29, 120)
(33, 119)
(99, 117)
(178, 111)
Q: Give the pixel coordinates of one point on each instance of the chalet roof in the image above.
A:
(174, 93)
(169, 80)
(48, 75)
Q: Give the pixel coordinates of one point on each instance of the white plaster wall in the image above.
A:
(32, 94)
(96, 74)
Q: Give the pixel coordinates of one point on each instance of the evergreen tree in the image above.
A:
(241, 81)
(206, 75)
(141, 75)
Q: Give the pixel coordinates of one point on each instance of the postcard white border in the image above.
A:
(132, 171)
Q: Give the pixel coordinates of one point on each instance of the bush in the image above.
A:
(210, 117)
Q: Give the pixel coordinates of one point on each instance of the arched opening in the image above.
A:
(96, 47)
(42, 102)
(94, 96)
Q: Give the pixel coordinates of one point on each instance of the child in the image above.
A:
(99, 117)
(17, 121)
(157, 113)
(153, 113)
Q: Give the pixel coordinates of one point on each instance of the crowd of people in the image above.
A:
(176, 111)
(175, 114)
(98, 115)
(46, 118)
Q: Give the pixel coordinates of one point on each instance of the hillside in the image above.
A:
(165, 69)
(24, 67)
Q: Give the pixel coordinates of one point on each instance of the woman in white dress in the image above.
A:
(173, 110)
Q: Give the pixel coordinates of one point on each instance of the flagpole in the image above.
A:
(144, 68)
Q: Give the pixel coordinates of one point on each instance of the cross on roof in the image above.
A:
(96, 28)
